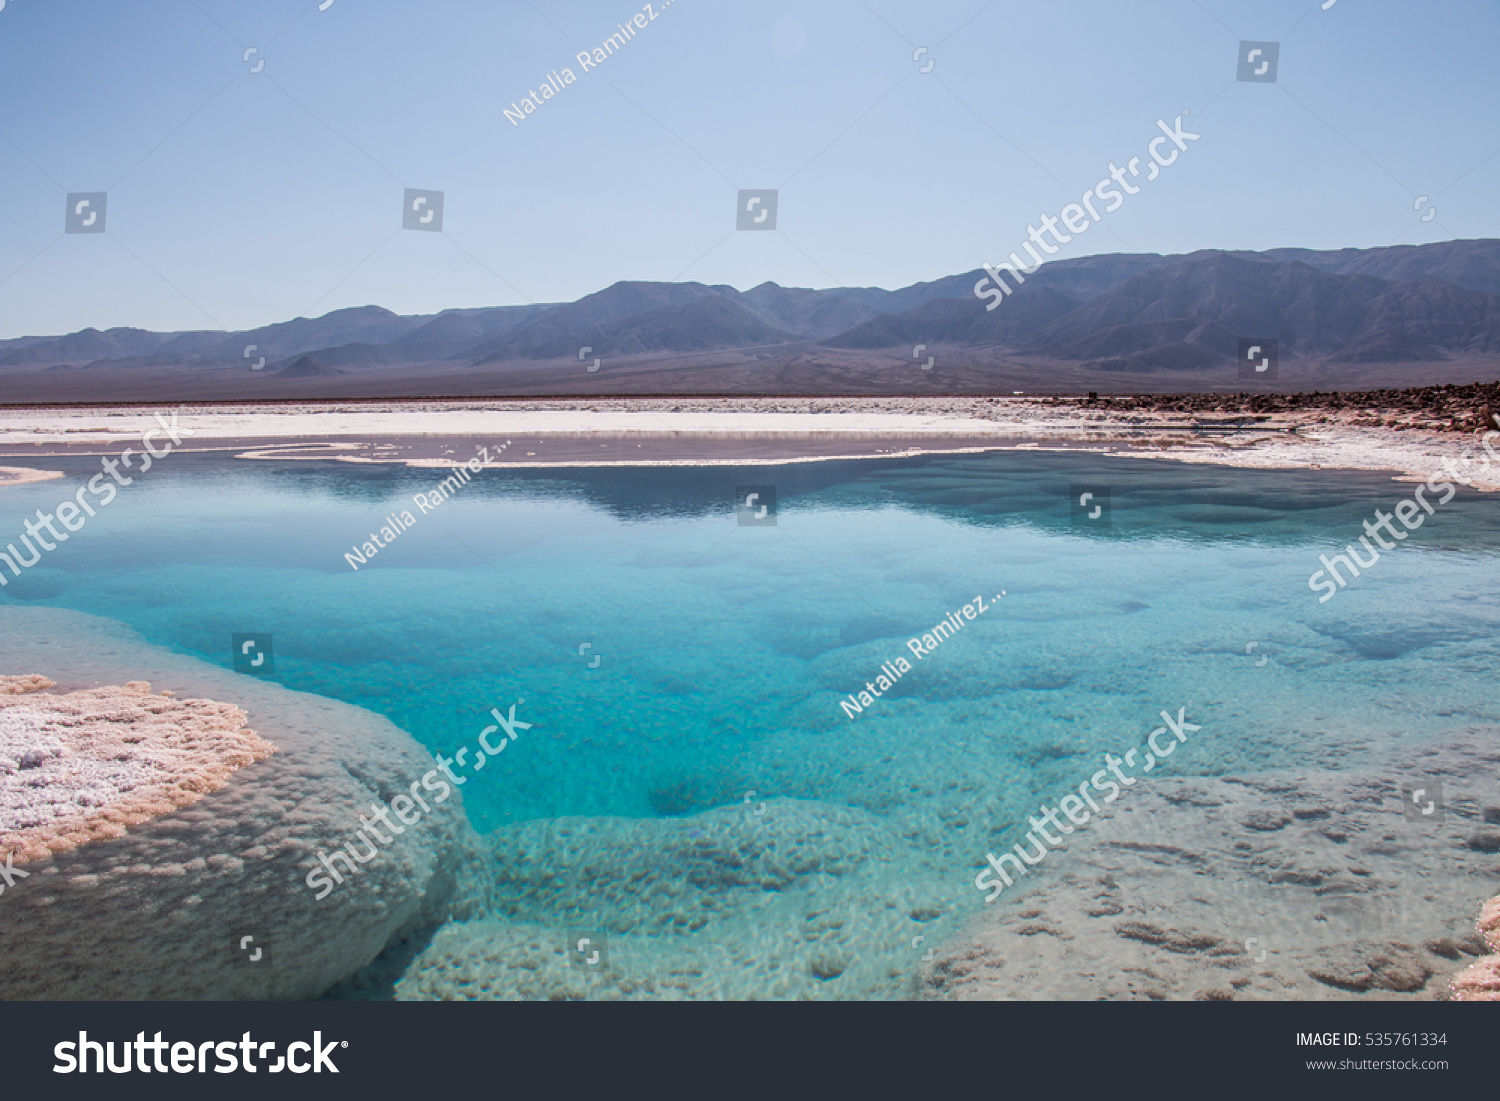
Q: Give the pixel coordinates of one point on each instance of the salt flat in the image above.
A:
(667, 431)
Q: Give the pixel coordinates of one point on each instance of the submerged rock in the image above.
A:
(802, 900)
(1287, 885)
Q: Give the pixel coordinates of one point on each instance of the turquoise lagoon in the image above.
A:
(723, 651)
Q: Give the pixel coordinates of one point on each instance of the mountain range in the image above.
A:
(1118, 321)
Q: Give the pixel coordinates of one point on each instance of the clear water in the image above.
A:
(724, 650)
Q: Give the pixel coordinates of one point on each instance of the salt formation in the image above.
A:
(1481, 982)
(84, 766)
(145, 882)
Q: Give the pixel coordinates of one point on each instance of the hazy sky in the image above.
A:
(238, 198)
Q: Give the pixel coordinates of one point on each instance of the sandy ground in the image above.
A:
(746, 431)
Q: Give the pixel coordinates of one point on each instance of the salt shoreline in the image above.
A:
(751, 431)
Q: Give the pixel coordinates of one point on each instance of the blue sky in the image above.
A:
(238, 198)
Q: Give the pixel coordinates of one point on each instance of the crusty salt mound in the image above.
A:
(19, 686)
(87, 765)
(207, 898)
(1481, 982)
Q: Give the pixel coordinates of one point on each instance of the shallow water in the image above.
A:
(723, 650)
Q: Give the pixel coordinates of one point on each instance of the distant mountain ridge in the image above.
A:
(1118, 312)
